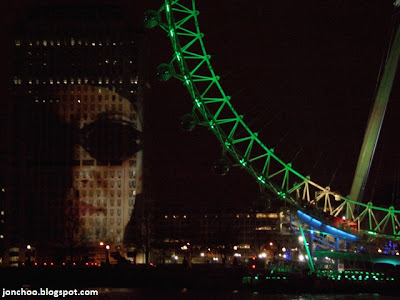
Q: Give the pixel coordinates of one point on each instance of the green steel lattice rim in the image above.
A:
(191, 65)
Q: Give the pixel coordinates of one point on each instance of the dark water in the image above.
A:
(158, 294)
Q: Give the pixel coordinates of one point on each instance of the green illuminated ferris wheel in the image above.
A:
(212, 107)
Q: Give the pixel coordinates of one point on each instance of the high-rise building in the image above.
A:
(76, 167)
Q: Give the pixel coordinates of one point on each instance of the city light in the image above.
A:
(202, 254)
(262, 255)
(301, 257)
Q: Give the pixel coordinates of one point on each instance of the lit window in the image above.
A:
(273, 215)
(72, 42)
(44, 43)
(93, 44)
(17, 43)
(58, 43)
(51, 43)
(261, 216)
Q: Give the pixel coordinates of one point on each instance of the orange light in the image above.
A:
(253, 266)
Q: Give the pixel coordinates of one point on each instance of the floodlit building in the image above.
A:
(76, 133)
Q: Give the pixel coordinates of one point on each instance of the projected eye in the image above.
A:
(108, 140)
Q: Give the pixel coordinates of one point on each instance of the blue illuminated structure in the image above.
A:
(318, 225)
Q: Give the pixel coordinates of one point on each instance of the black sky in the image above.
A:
(303, 73)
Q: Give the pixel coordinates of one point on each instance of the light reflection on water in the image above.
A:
(175, 294)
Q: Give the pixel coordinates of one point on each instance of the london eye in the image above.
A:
(314, 208)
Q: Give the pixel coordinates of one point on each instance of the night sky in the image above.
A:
(304, 74)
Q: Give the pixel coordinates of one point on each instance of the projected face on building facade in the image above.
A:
(106, 163)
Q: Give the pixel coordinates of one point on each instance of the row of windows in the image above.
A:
(112, 202)
(112, 174)
(105, 230)
(104, 221)
(111, 193)
(91, 212)
(238, 216)
(67, 42)
(131, 183)
(100, 81)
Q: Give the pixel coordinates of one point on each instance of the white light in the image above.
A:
(301, 257)
(344, 218)
(176, 257)
(202, 254)
(184, 247)
(215, 258)
(262, 255)
(28, 247)
(283, 249)
(235, 248)
(108, 247)
(379, 250)
(284, 255)
(300, 239)
(237, 255)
